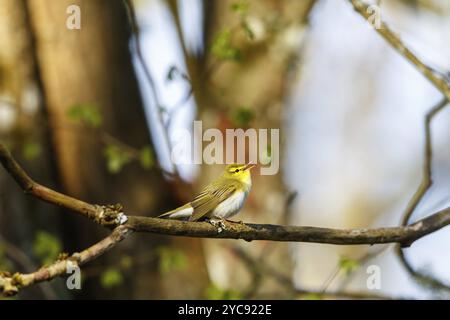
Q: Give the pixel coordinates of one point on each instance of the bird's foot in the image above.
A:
(219, 224)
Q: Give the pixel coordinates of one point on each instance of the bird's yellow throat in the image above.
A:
(240, 172)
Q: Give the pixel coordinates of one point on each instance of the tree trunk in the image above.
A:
(93, 65)
(22, 129)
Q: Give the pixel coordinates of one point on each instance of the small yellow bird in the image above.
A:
(221, 199)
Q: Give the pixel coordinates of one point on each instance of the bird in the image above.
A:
(221, 199)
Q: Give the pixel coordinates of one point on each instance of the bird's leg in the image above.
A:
(219, 223)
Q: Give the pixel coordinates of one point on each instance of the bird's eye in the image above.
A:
(237, 170)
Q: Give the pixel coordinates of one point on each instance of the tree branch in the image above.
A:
(19, 257)
(113, 217)
(260, 269)
(11, 284)
(441, 82)
(403, 235)
(108, 216)
(425, 185)
(437, 79)
(427, 179)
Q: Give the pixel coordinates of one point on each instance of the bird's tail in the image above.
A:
(178, 213)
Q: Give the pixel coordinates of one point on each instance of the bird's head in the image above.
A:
(240, 172)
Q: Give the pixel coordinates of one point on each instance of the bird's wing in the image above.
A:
(179, 213)
(211, 197)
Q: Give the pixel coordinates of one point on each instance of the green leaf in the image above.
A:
(347, 265)
(46, 247)
(213, 292)
(171, 259)
(240, 7)
(146, 157)
(242, 116)
(116, 158)
(111, 277)
(222, 48)
(312, 296)
(88, 114)
(126, 262)
(31, 150)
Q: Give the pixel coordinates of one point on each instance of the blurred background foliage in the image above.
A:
(94, 112)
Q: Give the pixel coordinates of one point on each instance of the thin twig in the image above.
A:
(135, 29)
(439, 80)
(427, 181)
(364, 259)
(11, 284)
(19, 257)
(337, 269)
(260, 269)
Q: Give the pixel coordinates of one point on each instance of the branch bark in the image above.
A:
(249, 232)
(112, 216)
(108, 216)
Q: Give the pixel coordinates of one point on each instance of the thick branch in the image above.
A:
(111, 216)
(403, 235)
(104, 215)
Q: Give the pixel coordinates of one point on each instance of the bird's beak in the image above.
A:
(249, 166)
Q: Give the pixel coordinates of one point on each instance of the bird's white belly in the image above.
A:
(183, 213)
(230, 206)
